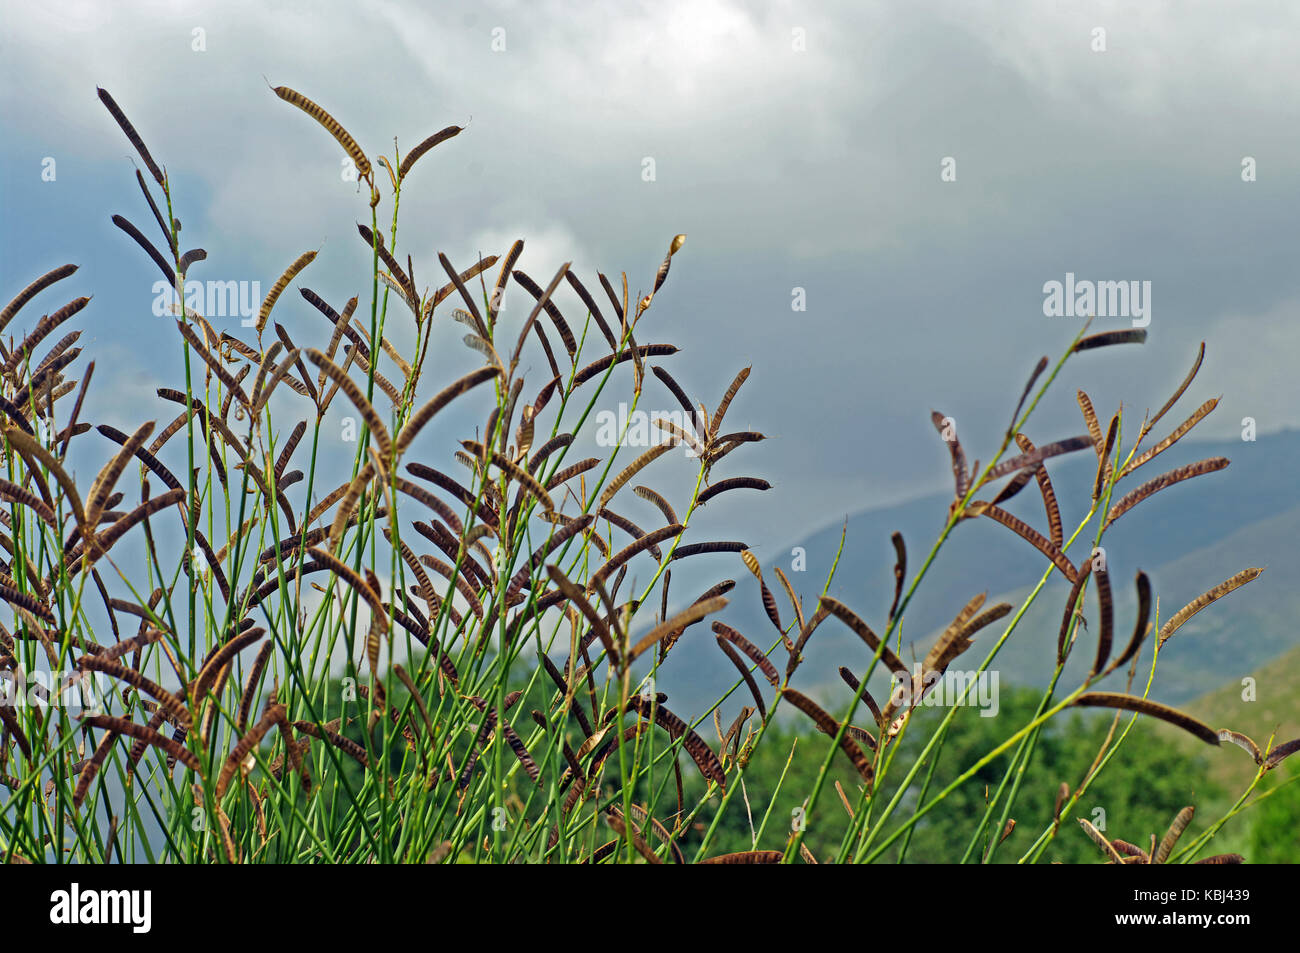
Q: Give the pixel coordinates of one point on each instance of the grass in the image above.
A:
(432, 664)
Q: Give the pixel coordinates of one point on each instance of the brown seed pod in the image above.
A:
(691, 613)
(264, 313)
(1204, 599)
(863, 631)
(132, 136)
(830, 726)
(144, 734)
(437, 138)
(32, 290)
(1175, 831)
(1144, 706)
(1108, 338)
(699, 750)
(341, 135)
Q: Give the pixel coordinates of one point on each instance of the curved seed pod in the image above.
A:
(503, 277)
(590, 304)
(1187, 381)
(32, 290)
(632, 469)
(953, 633)
(548, 305)
(173, 705)
(727, 398)
(673, 387)
(851, 680)
(1132, 499)
(1175, 831)
(419, 493)
(341, 135)
(691, 613)
(10, 722)
(769, 601)
(102, 488)
(558, 442)
(264, 313)
(1024, 395)
(732, 483)
(468, 298)
(144, 456)
(274, 715)
(699, 750)
(651, 496)
(132, 136)
(1141, 627)
(557, 539)
(344, 744)
(1098, 838)
(961, 478)
(829, 726)
(343, 515)
(1071, 607)
(1048, 493)
(1039, 454)
(146, 735)
(1090, 419)
(648, 542)
(1144, 706)
(481, 508)
(1201, 413)
(863, 631)
(1108, 338)
(1104, 464)
(1281, 753)
(696, 549)
(421, 417)
(626, 831)
(250, 686)
(789, 591)
(746, 857)
(900, 572)
(1204, 599)
(25, 497)
(414, 155)
(734, 657)
(753, 652)
(16, 415)
(1027, 533)
(561, 477)
(91, 768)
(514, 471)
(378, 614)
(1243, 742)
(639, 352)
(42, 330)
(208, 675)
(575, 595)
(349, 387)
(145, 638)
(1107, 633)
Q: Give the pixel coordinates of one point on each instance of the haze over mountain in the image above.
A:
(1187, 538)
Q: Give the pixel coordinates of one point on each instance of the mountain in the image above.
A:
(1188, 538)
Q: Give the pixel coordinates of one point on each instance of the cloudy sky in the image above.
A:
(799, 146)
